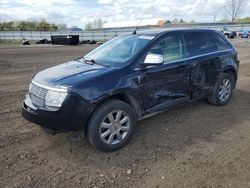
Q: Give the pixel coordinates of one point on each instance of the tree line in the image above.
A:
(96, 24)
(41, 25)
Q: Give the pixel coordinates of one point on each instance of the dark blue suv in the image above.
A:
(129, 78)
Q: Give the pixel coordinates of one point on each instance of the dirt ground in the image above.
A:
(197, 145)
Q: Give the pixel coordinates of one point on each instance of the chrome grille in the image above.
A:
(37, 94)
(36, 100)
(38, 91)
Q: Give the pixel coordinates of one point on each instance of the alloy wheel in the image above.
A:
(225, 89)
(114, 127)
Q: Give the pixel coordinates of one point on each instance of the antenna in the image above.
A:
(134, 32)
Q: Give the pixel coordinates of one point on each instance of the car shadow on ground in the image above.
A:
(162, 135)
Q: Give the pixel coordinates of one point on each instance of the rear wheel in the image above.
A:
(223, 90)
(111, 125)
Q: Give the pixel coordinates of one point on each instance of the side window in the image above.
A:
(221, 43)
(199, 42)
(171, 48)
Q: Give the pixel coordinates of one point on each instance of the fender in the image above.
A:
(229, 65)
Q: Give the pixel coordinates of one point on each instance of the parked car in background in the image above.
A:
(239, 33)
(25, 41)
(228, 33)
(43, 41)
(245, 34)
(129, 78)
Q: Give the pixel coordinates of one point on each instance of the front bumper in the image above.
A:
(73, 114)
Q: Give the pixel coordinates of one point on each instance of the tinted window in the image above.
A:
(199, 42)
(170, 47)
(220, 42)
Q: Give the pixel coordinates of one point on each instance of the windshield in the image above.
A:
(118, 51)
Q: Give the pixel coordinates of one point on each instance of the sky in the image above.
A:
(79, 12)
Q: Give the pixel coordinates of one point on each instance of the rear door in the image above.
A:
(204, 57)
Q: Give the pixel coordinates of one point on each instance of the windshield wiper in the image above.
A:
(92, 61)
(89, 61)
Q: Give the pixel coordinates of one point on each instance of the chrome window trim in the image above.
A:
(64, 90)
(210, 53)
(189, 58)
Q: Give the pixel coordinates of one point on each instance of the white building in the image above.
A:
(134, 23)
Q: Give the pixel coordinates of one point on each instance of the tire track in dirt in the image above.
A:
(206, 159)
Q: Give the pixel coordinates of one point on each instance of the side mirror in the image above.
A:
(153, 59)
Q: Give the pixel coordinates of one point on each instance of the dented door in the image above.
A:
(205, 60)
(167, 84)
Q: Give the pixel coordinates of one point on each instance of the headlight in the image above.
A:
(54, 98)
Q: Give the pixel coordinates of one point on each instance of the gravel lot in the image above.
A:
(197, 145)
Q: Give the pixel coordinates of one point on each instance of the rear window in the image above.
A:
(199, 42)
(221, 43)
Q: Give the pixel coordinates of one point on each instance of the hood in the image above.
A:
(69, 74)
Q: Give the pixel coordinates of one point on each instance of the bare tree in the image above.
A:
(234, 8)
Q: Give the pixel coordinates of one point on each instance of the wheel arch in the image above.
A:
(122, 96)
(129, 99)
(231, 70)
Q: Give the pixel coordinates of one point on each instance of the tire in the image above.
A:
(227, 35)
(221, 89)
(115, 121)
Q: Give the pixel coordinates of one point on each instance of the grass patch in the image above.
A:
(10, 42)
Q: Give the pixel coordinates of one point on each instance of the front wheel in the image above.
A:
(111, 125)
(223, 90)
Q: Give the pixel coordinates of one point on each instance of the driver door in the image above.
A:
(166, 84)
